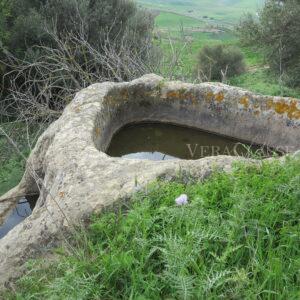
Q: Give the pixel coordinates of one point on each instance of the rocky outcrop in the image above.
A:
(74, 177)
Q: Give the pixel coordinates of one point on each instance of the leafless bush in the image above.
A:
(41, 85)
(40, 88)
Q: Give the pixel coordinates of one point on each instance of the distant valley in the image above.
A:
(222, 11)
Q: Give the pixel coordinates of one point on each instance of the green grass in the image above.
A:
(187, 62)
(253, 57)
(12, 167)
(259, 79)
(173, 21)
(263, 82)
(224, 11)
(12, 164)
(237, 238)
(11, 173)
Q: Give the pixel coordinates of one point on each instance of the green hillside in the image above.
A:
(219, 10)
(173, 20)
(209, 22)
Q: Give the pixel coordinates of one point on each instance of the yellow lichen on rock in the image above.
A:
(181, 94)
(174, 95)
(245, 101)
(282, 107)
(97, 131)
(219, 97)
(209, 96)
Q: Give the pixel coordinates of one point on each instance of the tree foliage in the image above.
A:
(53, 48)
(4, 15)
(26, 22)
(277, 32)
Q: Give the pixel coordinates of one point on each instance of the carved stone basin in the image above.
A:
(74, 177)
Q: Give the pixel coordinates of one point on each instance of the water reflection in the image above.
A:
(149, 155)
(157, 141)
(23, 209)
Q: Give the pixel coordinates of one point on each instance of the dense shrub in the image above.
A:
(277, 32)
(26, 22)
(219, 62)
(53, 48)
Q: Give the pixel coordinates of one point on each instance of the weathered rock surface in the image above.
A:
(74, 176)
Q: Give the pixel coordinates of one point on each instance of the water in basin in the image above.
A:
(22, 210)
(157, 141)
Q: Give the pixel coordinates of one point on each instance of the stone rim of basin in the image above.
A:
(75, 178)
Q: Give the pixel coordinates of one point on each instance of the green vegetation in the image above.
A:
(11, 173)
(264, 82)
(27, 23)
(258, 77)
(219, 62)
(4, 14)
(237, 238)
(225, 11)
(13, 163)
(66, 45)
(200, 32)
(188, 45)
(173, 21)
(276, 32)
